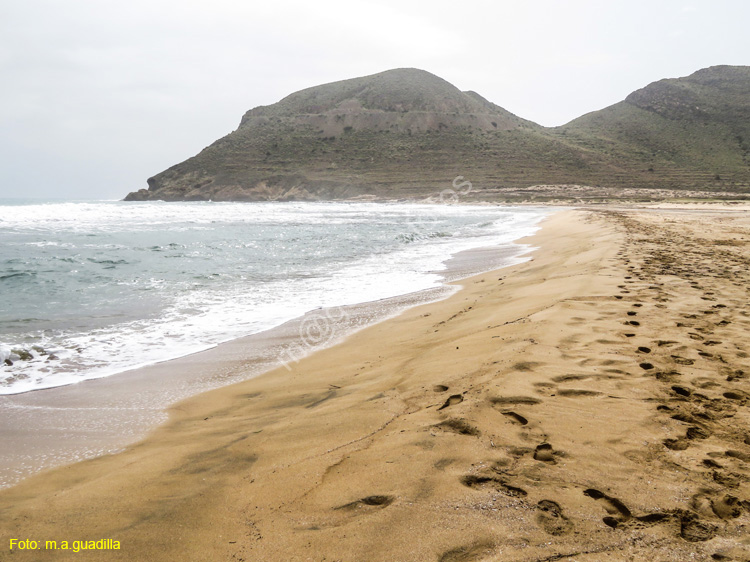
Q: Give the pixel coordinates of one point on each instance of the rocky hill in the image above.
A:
(688, 132)
(407, 133)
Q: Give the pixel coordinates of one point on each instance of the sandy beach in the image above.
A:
(590, 404)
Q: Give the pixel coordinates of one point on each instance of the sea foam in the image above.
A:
(105, 287)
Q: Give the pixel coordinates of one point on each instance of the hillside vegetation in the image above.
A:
(406, 133)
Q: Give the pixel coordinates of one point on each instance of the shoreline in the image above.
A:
(55, 426)
(587, 403)
(181, 292)
(149, 324)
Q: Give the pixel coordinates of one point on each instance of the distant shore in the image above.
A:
(590, 403)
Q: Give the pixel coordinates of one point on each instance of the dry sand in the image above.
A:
(591, 404)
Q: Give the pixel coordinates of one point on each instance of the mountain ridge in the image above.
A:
(406, 133)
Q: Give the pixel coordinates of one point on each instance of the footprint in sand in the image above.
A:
(739, 455)
(490, 482)
(442, 464)
(682, 391)
(501, 401)
(367, 503)
(457, 425)
(528, 365)
(343, 514)
(667, 376)
(692, 529)
(682, 360)
(679, 444)
(662, 343)
(468, 553)
(552, 519)
(738, 396)
(452, 400)
(572, 377)
(727, 507)
(439, 388)
(736, 375)
(618, 511)
(696, 432)
(545, 453)
(577, 392)
(516, 417)
(724, 507)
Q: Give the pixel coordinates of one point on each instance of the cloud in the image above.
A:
(99, 95)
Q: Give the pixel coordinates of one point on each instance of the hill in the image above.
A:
(407, 133)
(686, 132)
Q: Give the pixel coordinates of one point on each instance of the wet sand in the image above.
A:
(58, 426)
(591, 404)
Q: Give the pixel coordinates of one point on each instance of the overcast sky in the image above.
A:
(98, 95)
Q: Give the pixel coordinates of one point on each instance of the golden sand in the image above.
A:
(590, 404)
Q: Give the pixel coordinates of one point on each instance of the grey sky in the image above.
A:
(98, 95)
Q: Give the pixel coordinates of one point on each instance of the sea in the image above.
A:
(89, 289)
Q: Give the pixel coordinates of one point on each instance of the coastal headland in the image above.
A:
(402, 133)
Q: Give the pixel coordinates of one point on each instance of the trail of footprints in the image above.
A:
(550, 515)
(690, 400)
(704, 415)
(685, 401)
